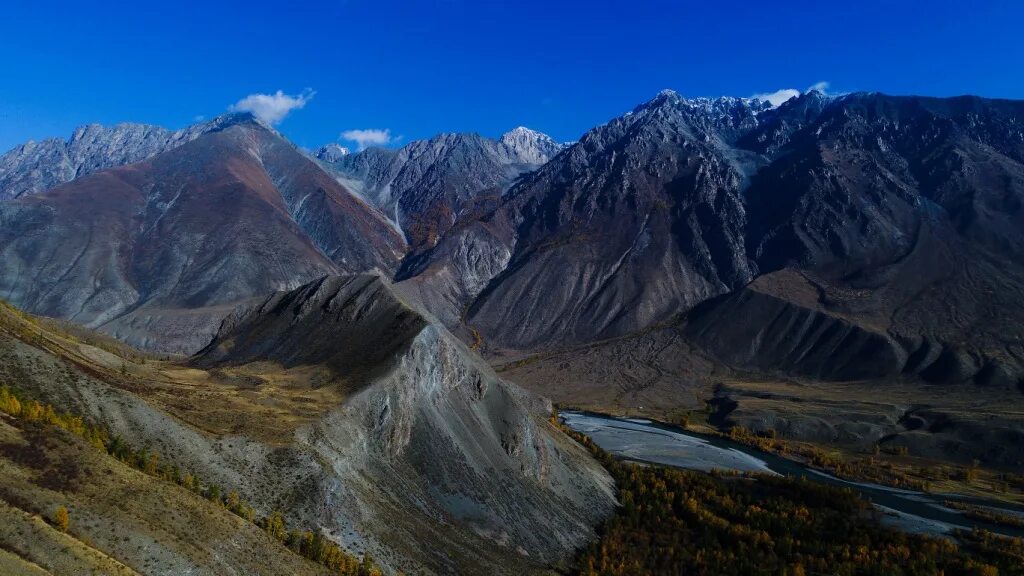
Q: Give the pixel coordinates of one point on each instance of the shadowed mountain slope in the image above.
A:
(903, 212)
(638, 221)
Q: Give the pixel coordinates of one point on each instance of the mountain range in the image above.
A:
(885, 206)
(888, 226)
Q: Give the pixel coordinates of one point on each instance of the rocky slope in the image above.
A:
(425, 185)
(157, 252)
(435, 450)
(905, 213)
(638, 221)
(349, 411)
(35, 167)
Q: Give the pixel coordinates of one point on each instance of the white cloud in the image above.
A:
(778, 97)
(272, 108)
(820, 87)
(368, 137)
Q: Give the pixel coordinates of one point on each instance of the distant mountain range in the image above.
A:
(36, 167)
(900, 215)
(896, 221)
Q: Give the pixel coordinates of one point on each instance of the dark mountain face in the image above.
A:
(853, 186)
(904, 213)
(155, 253)
(425, 185)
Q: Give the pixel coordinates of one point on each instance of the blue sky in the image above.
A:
(417, 68)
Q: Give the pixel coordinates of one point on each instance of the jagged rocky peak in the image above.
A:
(231, 119)
(530, 146)
(424, 185)
(724, 118)
(719, 104)
(332, 152)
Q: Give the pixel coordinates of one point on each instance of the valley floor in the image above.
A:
(684, 522)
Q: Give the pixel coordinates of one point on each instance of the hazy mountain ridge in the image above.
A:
(35, 167)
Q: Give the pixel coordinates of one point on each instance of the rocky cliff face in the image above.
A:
(36, 167)
(157, 252)
(435, 461)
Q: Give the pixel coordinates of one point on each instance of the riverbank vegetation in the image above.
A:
(892, 466)
(680, 522)
(987, 514)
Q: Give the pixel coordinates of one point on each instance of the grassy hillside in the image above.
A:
(121, 520)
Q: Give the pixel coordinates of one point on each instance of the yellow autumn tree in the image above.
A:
(62, 519)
